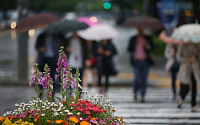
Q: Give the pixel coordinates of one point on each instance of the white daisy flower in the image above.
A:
(17, 105)
(66, 110)
(69, 113)
(56, 113)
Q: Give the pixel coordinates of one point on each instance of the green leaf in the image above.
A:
(34, 98)
(59, 99)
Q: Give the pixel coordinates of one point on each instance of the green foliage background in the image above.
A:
(159, 46)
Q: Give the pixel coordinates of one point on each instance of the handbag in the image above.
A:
(93, 61)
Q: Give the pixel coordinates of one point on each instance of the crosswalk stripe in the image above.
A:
(162, 121)
(158, 109)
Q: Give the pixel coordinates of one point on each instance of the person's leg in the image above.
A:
(173, 78)
(95, 77)
(52, 65)
(51, 62)
(144, 75)
(136, 70)
(183, 92)
(100, 84)
(194, 93)
(93, 89)
(41, 65)
(107, 83)
(84, 79)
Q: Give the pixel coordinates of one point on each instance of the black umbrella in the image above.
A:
(65, 26)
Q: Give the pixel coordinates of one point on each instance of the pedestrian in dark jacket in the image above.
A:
(139, 47)
(106, 51)
(47, 46)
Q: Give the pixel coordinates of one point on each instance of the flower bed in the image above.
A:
(95, 110)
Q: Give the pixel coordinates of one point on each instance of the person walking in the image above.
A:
(139, 47)
(92, 48)
(172, 65)
(47, 46)
(78, 55)
(188, 55)
(105, 64)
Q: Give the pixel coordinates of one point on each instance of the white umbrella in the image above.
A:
(98, 32)
(187, 32)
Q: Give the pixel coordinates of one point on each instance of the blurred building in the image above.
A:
(189, 10)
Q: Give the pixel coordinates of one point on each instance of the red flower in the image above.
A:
(87, 112)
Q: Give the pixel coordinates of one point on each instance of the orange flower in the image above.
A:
(15, 116)
(2, 118)
(93, 118)
(35, 119)
(9, 117)
(117, 118)
(73, 119)
(59, 121)
(121, 118)
(38, 116)
(65, 123)
(49, 121)
(84, 123)
(112, 109)
(105, 110)
(89, 117)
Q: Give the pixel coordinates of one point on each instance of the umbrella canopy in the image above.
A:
(187, 32)
(98, 32)
(37, 21)
(89, 21)
(144, 22)
(65, 27)
(168, 39)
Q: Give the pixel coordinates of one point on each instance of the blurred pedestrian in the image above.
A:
(172, 65)
(78, 55)
(106, 51)
(139, 47)
(47, 46)
(188, 55)
(92, 48)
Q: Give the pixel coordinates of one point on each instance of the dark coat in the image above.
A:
(40, 42)
(132, 45)
(105, 64)
(94, 48)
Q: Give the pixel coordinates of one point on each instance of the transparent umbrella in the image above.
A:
(98, 32)
(187, 32)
